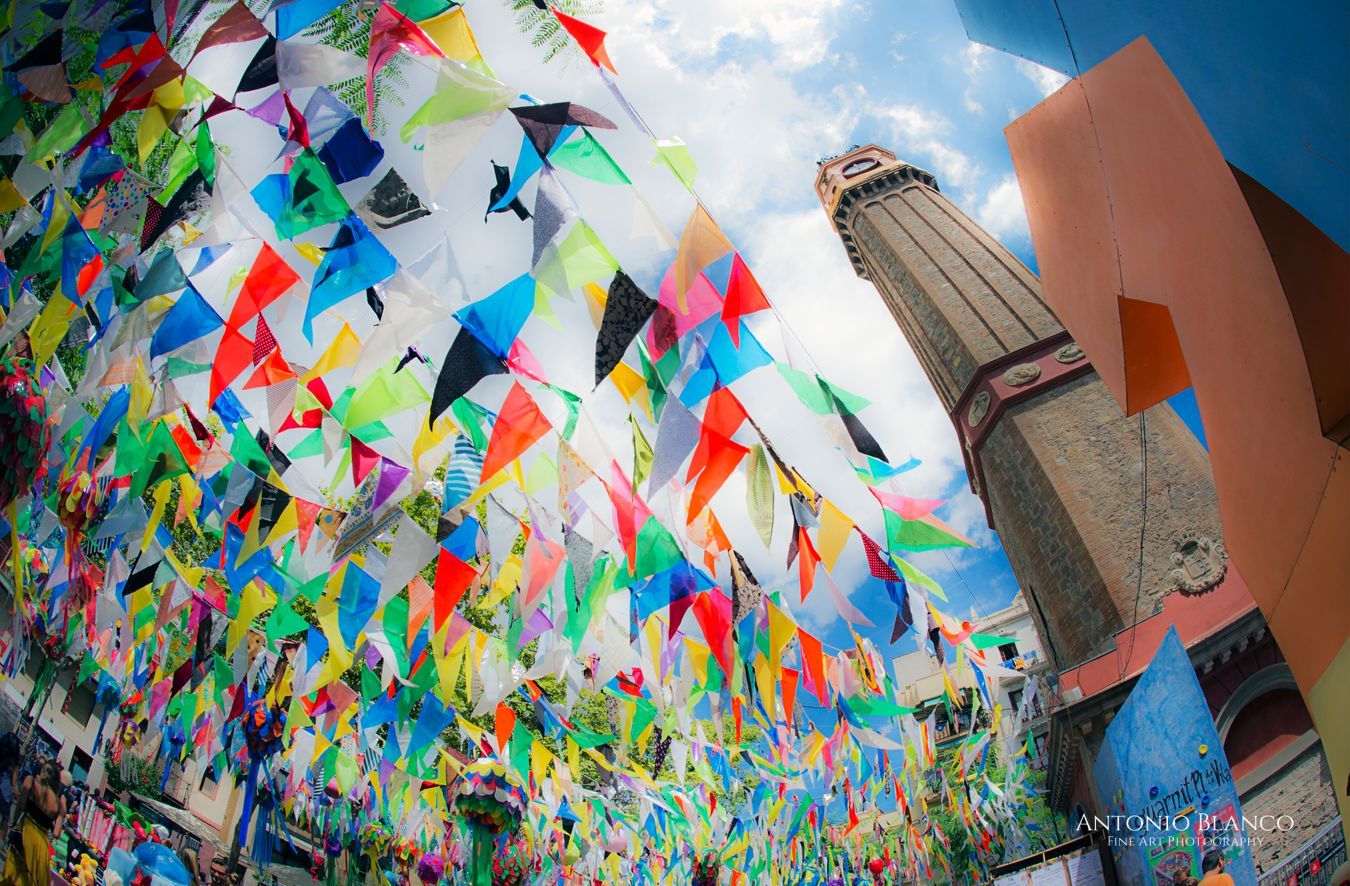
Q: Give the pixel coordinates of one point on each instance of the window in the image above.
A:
(1015, 700)
(1008, 651)
(80, 704)
(80, 763)
(208, 782)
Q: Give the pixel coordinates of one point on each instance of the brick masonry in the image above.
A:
(1303, 791)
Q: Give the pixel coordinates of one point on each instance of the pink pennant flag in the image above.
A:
(908, 508)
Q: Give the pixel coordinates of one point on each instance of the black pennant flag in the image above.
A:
(627, 308)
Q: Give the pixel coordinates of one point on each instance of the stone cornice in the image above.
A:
(1001, 384)
(886, 179)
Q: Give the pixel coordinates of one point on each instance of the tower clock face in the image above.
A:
(858, 166)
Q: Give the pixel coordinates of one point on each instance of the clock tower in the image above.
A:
(1102, 516)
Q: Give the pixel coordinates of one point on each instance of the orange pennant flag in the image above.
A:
(814, 665)
(506, 722)
(519, 425)
(701, 244)
(724, 456)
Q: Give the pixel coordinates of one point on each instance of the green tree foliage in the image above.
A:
(543, 29)
(348, 28)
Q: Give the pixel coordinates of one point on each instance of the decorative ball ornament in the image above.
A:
(511, 863)
(264, 727)
(707, 869)
(430, 868)
(876, 867)
(24, 431)
(487, 795)
(375, 838)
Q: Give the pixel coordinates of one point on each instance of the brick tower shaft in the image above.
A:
(1074, 489)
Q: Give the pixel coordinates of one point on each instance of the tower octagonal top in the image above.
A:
(854, 167)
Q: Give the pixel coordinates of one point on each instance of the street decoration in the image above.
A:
(318, 510)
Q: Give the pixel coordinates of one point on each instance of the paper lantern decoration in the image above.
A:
(490, 803)
(375, 838)
(488, 796)
(876, 867)
(24, 432)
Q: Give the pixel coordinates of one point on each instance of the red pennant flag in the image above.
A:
(712, 609)
(307, 516)
(506, 722)
(744, 296)
(590, 38)
(267, 280)
(789, 691)
(453, 577)
(299, 131)
(364, 460)
(519, 425)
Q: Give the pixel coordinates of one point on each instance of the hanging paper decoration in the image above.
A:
(327, 559)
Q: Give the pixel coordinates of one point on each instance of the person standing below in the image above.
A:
(42, 798)
(1212, 870)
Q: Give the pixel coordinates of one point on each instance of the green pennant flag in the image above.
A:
(917, 535)
(985, 641)
(384, 393)
(642, 455)
(161, 460)
(587, 158)
(284, 622)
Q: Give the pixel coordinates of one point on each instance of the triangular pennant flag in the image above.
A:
(519, 424)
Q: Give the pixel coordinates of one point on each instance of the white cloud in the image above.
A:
(899, 38)
(975, 58)
(919, 136)
(796, 29)
(1044, 79)
(1002, 212)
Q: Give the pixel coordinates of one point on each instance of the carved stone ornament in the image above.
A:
(1022, 374)
(979, 408)
(1199, 563)
(1070, 353)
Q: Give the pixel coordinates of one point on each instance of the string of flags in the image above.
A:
(428, 564)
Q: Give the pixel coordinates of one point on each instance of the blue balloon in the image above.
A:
(159, 860)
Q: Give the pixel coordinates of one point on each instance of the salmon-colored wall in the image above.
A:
(1128, 196)
(1266, 726)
